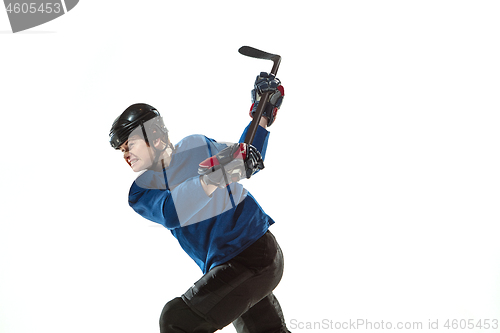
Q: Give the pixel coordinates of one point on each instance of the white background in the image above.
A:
(382, 171)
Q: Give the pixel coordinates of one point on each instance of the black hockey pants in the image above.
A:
(238, 291)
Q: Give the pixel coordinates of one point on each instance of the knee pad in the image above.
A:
(171, 311)
(177, 316)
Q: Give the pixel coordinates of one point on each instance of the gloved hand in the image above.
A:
(230, 165)
(267, 83)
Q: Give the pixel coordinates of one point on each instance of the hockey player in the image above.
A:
(193, 189)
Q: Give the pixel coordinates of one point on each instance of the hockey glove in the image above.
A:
(230, 165)
(267, 83)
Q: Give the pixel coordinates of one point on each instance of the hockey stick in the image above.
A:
(276, 59)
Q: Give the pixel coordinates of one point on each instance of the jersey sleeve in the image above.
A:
(155, 205)
(260, 140)
(172, 209)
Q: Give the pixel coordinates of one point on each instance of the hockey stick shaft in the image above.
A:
(254, 53)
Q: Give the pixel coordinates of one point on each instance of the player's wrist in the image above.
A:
(263, 122)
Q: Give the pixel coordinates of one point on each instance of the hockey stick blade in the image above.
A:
(256, 53)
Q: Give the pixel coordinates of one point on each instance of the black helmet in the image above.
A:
(133, 117)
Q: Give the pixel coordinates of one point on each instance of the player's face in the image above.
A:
(137, 153)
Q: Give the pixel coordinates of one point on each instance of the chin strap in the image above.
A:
(158, 152)
(163, 165)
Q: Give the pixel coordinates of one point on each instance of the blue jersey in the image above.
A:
(211, 230)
